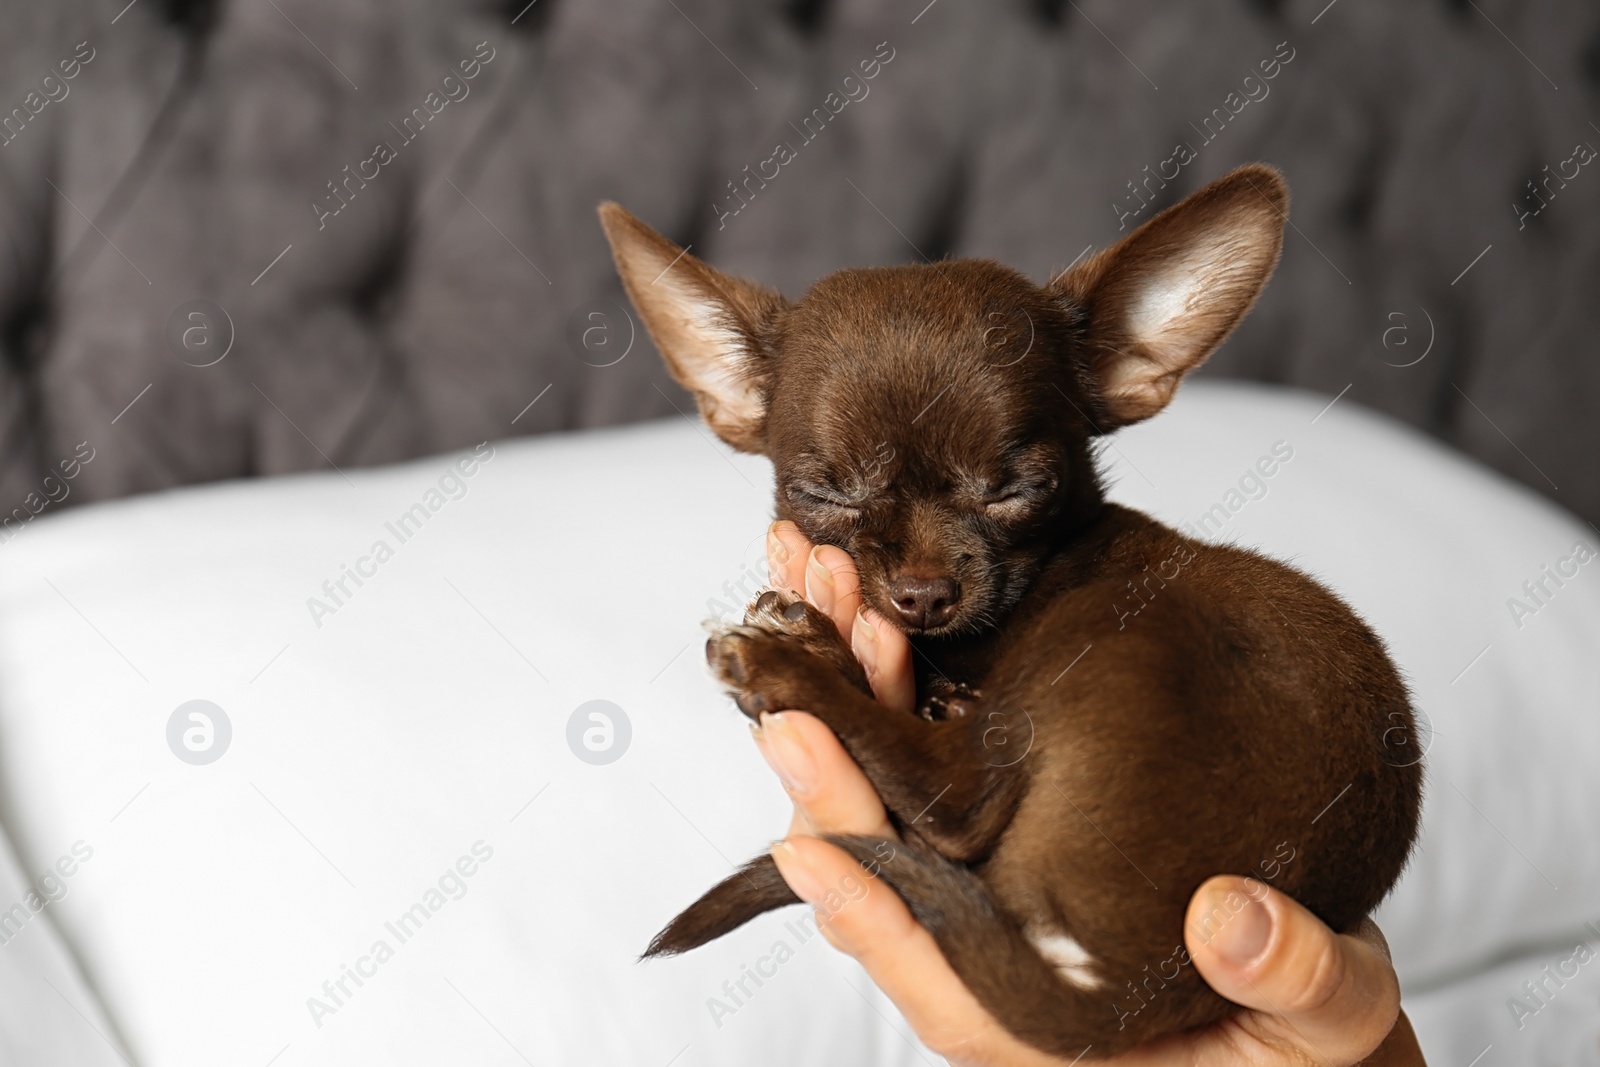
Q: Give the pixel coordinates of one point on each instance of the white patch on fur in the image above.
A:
(1161, 304)
(1067, 956)
(712, 353)
(1159, 313)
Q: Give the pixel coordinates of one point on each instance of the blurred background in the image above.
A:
(245, 237)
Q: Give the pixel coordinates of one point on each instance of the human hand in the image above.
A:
(1310, 996)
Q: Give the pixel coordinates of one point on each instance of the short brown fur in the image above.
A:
(1111, 712)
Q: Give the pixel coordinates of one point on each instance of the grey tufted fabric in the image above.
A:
(183, 160)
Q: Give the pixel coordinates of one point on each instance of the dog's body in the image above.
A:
(1111, 712)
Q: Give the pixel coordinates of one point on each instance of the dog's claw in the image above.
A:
(774, 658)
(723, 662)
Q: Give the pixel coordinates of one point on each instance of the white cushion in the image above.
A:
(1554, 1021)
(376, 749)
(370, 753)
(48, 1014)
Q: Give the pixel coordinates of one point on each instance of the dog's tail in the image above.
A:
(755, 888)
(986, 948)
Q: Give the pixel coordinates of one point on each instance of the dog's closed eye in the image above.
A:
(1016, 503)
(1027, 480)
(820, 496)
(1024, 488)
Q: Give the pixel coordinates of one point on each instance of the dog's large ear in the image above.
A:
(1159, 301)
(707, 324)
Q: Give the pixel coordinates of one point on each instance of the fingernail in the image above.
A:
(819, 584)
(796, 873)
(864, 643)
(1243, 936)
(777, 557)
(787, 754)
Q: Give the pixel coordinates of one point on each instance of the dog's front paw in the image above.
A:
(787, 654)
(782, 612)
(947, 700)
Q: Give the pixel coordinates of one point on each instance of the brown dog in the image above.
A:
(1111, 712)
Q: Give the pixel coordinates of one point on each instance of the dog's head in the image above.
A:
(935, 421)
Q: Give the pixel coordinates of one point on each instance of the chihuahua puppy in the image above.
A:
(1110, 712)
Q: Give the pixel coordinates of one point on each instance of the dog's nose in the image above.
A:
(925, 602)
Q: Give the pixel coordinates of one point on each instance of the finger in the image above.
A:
(833, 587)
(885, 654)
(825, 574)
(787, 551)
(863, 917)
(830, 794)
(1329, 997)
(884, 651)
(1399, 1049)
(1368, 932)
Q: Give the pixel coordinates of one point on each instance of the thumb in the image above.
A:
(1330, 996)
